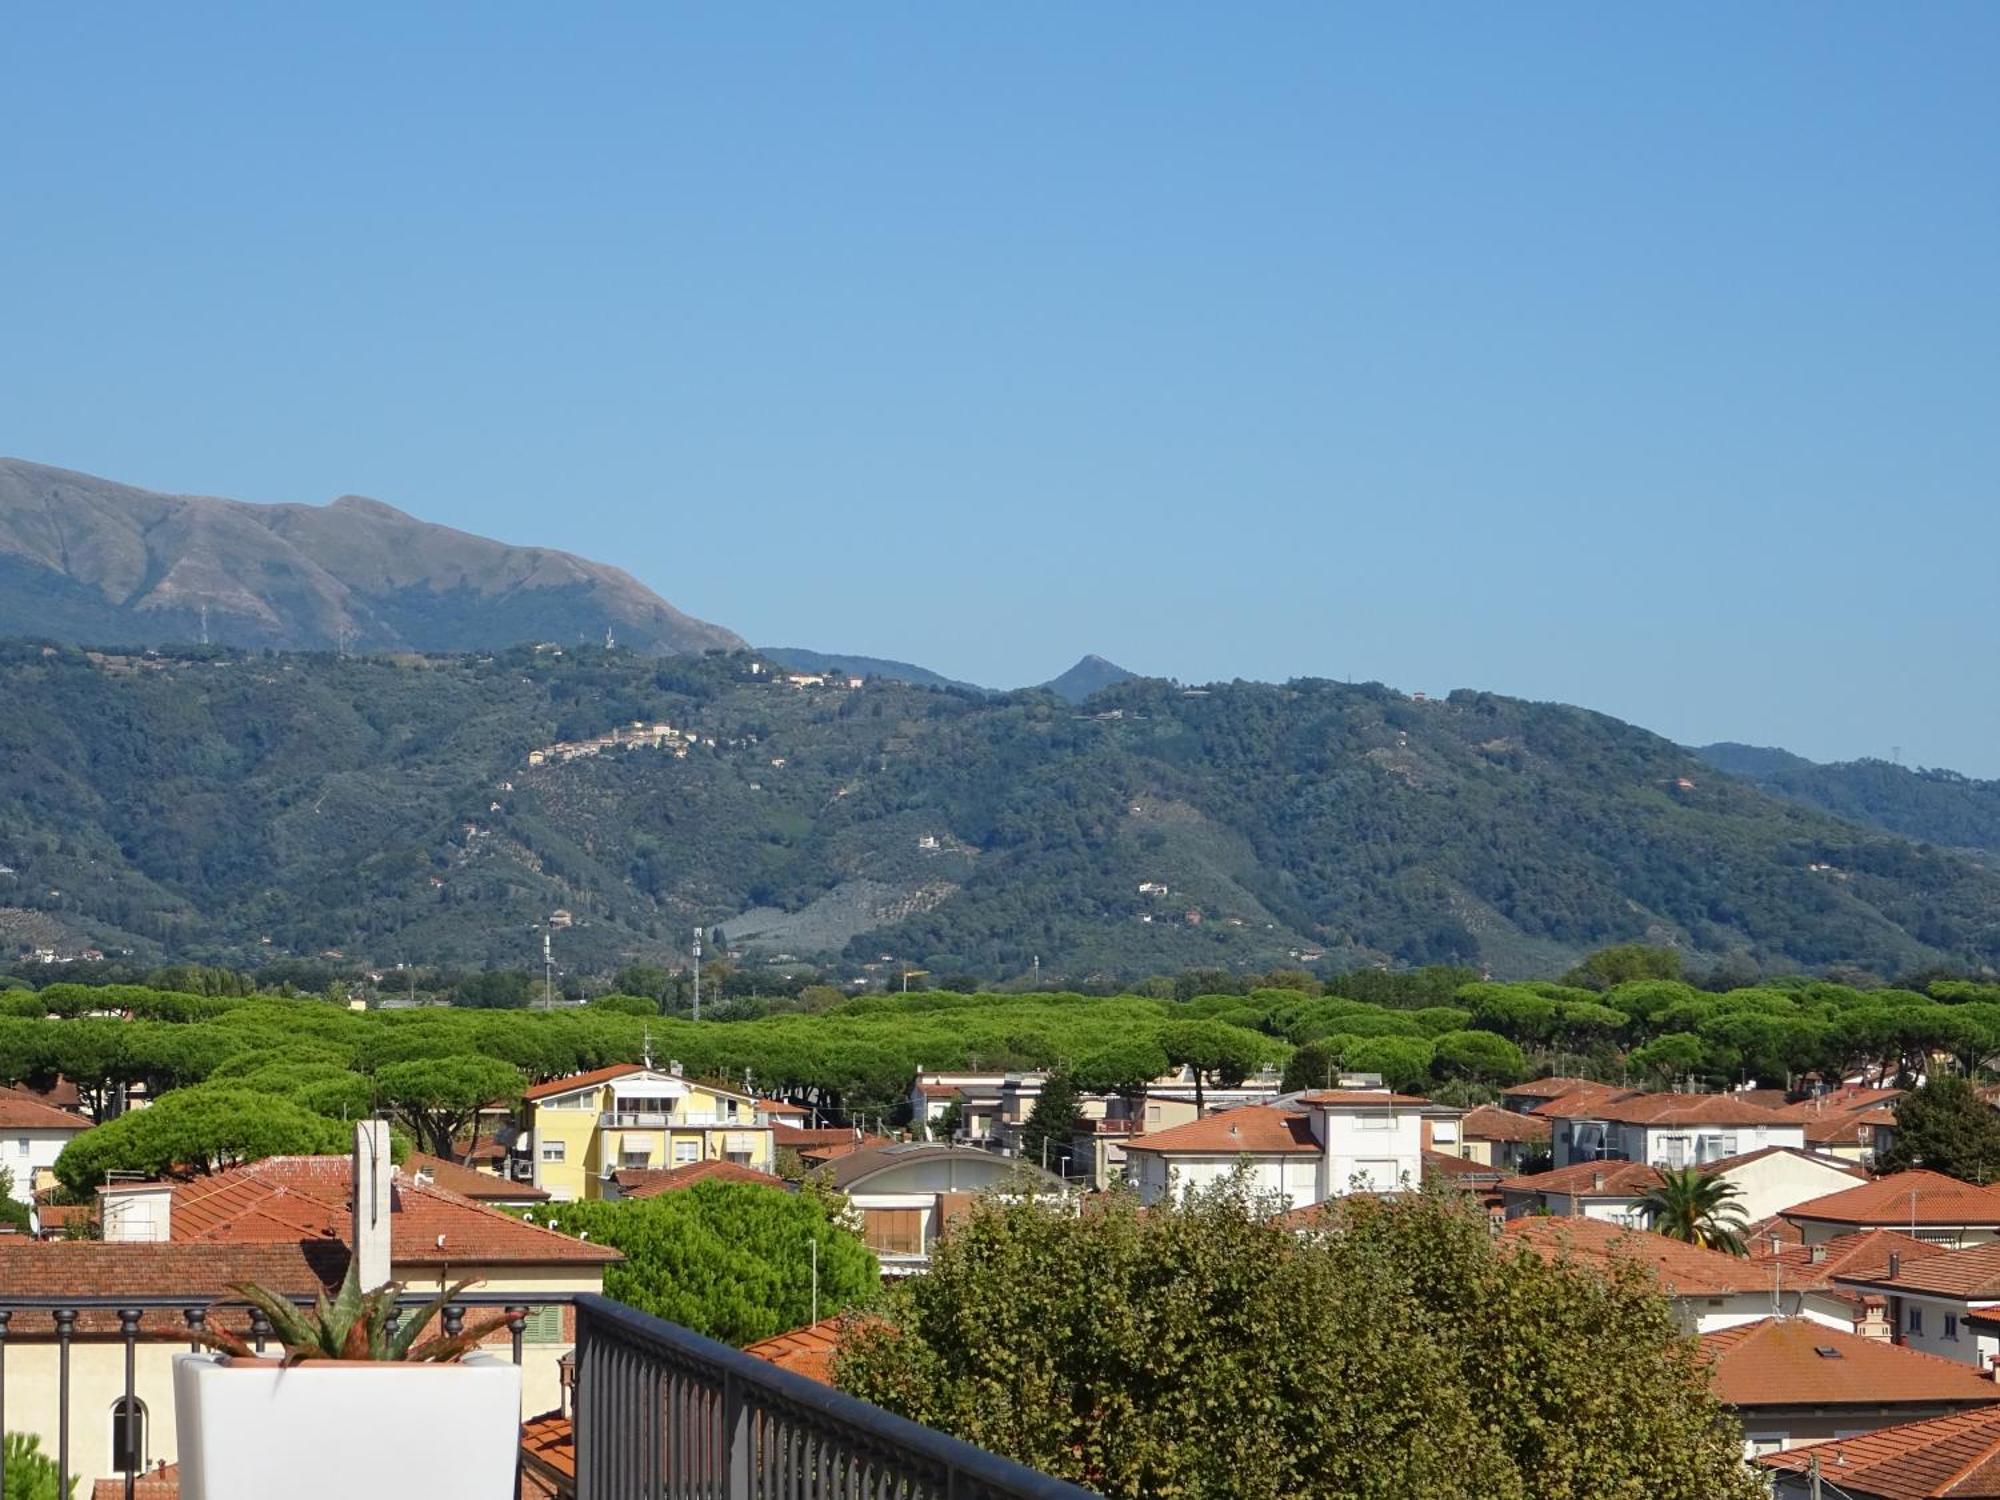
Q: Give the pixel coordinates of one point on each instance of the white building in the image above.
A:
(32, 1136)
(1663, 1130)
(1946, 1304)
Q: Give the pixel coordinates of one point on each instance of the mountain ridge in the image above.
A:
(94, 560)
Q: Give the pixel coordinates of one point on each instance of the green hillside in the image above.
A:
(1931, 806)
(234, 807)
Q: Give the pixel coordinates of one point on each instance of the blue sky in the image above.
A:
(1647, 359)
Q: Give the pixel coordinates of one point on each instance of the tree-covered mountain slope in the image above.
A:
(86, 559)
(1930, 806)
(227, 806)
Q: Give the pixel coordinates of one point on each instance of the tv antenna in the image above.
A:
(697, 973)
(204, 622)
(548, 975)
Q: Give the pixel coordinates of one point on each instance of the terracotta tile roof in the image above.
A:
(650, 1182)
(1264, 1129)
(549, 1442)
(939, 1090)
(1955, 1457)
(1636, 1107)
(1887, 1201)
(199, 1273)
(1684, 1270)
(1461, 1170)
(163, 1483)
(21, 1110)
(1490, 1123)
(1862, 1254)
(294, 1198)
(1548, 1088)
(1759, 1234)
(1972, 1273)
(819, 1156)
(1797, 1362)
(480, 1187)
(799, 1138)
(809, 1351)
(1620, 1179)
(1744, 1158)
(577, 1081)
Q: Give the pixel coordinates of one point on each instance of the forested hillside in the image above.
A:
(1931, 806)
(234, 807)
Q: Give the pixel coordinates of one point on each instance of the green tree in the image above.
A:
(1313, 1066)
(1217, 1054)
(439, 1099)
(31, 1473)
(1480, 1056)
(1695, 1207)
(1675, 1055)
(1948, 1128)
(1045, 1139)
(200, 1129)
(1625, 963)
(1205, 1348)
(732, 1260)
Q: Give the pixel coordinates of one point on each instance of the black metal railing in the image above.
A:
(660, 1412)
(667, 1414)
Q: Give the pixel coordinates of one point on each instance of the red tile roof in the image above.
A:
(806, 1351)
(1261, 1129)
(650, 1182)
(1917, 1196)
(1461, 1170)
(577, 1081)
(1490, 1123)
(199, 1273)
(294, 1198)
(1797, 1362)
(21, 1110)
(1636, 1107)
(480, 1187)
(1589, 1179)
(163, 1483)
(1972, 1273)
(1864, 1253)
(549, 1442)
(800, 1138)
(1683, 1269)
(1367, 1099)
(1955, 1457)
(1548, 1088)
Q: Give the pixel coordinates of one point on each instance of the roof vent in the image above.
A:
(1817, 1254)
(1597, 1182)
(1895, 1265)
(1827, 1351)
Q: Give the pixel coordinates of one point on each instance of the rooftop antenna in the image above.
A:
(609, 639)
(204, 622)
(697, 973)
(646, 1053)
(548, 975)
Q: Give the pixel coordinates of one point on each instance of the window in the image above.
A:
(893, 1231)
(1951, 1326)
(686, 1151)
(21, 1145)
(543, 1325)
(553, 1150)
(128, 1436)
(1374, 1121)
(1916, 1320)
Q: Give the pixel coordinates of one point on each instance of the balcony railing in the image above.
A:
(660, 1411)
(623, 1119)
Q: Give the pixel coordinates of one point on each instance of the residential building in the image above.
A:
(1708, 1289)
(1526, 1098)
(470, 1182)
(1946, 1303)
(32, 1135)
(1793, 1381)
(1941, 1458)
(1661, 1130)
(1928, 1205)
(288, 1223)
(1819, 1269)
(1853, 1123)
(583, 1128)
(1608, 1190)
(1502, 1138)
(1774, 1178)
(907, 1195)
(1321, 1145)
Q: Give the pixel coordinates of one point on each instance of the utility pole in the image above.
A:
(548, 975)
(1038, 970)
(697, 973)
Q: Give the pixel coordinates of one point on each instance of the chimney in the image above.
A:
(135, 1213)
(1597, 1182)
(373, 1174)
(1895, 1265)
(1817, 1254)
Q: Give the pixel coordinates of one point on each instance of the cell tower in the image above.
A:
(204, 623)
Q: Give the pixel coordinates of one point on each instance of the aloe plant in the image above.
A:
(354, 1326)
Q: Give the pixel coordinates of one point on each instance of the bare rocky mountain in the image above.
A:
(89, 560)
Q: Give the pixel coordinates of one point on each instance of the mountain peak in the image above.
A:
(1091, 674)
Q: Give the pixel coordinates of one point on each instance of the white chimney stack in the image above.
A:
(373, 1175)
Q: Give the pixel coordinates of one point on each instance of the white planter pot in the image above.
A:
(334, 1431)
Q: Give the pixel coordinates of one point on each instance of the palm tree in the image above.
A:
(1691, 1205)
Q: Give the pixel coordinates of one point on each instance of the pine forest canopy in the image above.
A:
(246, 808)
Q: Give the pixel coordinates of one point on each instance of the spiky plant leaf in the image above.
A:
(406, 1336)
(449, 1346)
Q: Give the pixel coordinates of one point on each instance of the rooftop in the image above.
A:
(1972, 1273)
(650, 1182)
(1260, 1129)
(1913, 1197)
(1548, 1088)
(21, 1110)
(1637, 1107)
(1797, 1362)
(1372, 1099)
(1683, 1269)
(1589, 1179)
(1863, 1253)
(1955, 1456)
(467, 1182)
(1488, 1122)
(809, 1351)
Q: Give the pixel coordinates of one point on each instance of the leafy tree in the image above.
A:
(197, 1129)
(1666, 1058)
(1058, 1111)
(1403, 1061)
(439, 1099)
(1480, 1056)
(31, 1473)
(626, 1005)
(1205, 1348)
(1313, 1066)
(1124, 1067)
(1948, 1128)
(1216, 1053)
(732, 1260)
(13, 1213)
(1625, 963)
(1694, 1206)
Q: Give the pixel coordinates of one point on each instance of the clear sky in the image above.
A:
(1640, 357)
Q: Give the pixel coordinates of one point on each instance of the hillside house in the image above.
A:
(584, 1128)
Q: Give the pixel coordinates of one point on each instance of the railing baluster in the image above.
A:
(260, 1327)
(128, 1327)
(6, 1317)
(65, 1319)
(517, 1329)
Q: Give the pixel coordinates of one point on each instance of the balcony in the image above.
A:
(617, 1119)
(658, 1411)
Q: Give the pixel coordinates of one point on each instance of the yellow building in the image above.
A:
(583, 1128)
